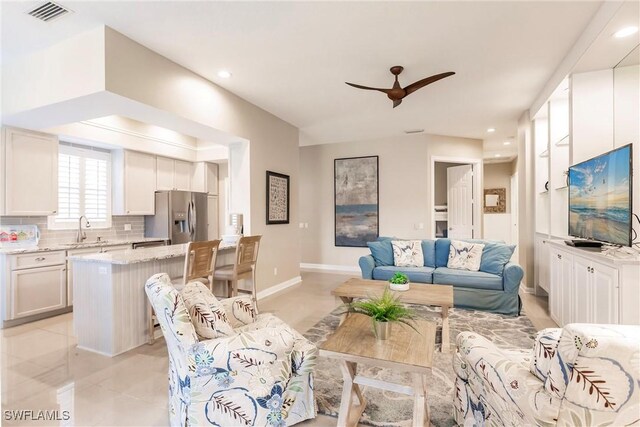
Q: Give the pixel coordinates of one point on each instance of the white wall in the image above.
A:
(404, 190)
(626, 97)
(592, 114)
(497, 225)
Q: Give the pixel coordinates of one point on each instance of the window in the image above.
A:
(84, 187)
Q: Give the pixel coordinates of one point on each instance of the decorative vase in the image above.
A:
(399, 286)
(382, 330)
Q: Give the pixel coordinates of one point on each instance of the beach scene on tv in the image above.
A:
(599, 198)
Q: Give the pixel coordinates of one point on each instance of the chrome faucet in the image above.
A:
(81, 237)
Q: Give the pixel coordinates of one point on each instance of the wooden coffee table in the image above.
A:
(423, 294)
(354, 342)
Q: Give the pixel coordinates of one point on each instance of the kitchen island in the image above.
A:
(110, 304)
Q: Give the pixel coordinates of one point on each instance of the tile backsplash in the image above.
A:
(55, 237)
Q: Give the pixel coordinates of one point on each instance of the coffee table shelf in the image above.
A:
(354, 343)
(421, 294)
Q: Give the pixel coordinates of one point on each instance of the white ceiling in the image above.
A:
(292, 58)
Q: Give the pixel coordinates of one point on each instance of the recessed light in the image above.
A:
(224, 74)
(506, 143)
(626, 32)
(498, 155)
(491, 130)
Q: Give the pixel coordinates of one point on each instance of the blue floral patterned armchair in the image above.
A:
(580, 375)
(260, 375)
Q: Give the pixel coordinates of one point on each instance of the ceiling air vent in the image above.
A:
(48, 11)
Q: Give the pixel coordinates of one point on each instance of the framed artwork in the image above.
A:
(356, 201)
(495, 200)
(277, 198)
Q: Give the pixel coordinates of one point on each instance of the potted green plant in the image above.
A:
(399, 282)
(384, 310)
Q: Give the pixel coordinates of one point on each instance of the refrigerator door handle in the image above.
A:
(191, 220)
(194, 220)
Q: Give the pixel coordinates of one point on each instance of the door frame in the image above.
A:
(477, 192)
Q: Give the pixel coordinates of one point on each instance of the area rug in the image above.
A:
(392, 409)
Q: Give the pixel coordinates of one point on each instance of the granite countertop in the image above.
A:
(134, 256)
(72, 246)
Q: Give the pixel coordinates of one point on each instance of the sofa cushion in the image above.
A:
(495, 256)
(415, 274)
(208, 315)
(382, 252)
(467, 279)
(429, 253)
(442, 252)
(465, 255)
(407, 253)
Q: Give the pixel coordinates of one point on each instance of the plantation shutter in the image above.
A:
(84, 187)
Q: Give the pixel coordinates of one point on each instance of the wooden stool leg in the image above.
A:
(445, 348)
(350, 411)
(152, 328)
(420, 405)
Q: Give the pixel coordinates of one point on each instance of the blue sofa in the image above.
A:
(494, 288)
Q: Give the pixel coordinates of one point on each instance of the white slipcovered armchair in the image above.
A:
(580, 375)
(261, 375)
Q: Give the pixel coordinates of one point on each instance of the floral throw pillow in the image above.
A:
(407, 253)
(465, 255)
(207, 313)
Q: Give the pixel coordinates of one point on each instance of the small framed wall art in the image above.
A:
(495, 200)
(277, 198)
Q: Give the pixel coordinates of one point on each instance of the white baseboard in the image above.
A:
(328, 267)
(279, 287)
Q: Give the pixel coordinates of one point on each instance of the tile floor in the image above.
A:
(43, 370)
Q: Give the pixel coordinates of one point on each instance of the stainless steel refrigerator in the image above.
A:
(181, 217)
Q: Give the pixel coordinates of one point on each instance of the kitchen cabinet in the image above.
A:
(205, 178)
(590, 287)
(86, 251)
(173, 174)
(133, 183)
(29, 185)
(36, 283)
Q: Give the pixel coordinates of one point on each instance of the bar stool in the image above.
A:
(199, 264)
(243, 268)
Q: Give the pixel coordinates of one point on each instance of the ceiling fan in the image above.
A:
(398, 93)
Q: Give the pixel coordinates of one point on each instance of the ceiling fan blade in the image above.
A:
(368, 88)
(397, 102)
(422, 83)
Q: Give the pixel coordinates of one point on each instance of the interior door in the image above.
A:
(460, 201)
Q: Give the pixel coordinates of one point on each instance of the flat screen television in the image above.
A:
(600, 204)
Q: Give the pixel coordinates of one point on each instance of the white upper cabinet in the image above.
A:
(205, 178)
(164, 177)
(134, 183)
(29, 184)
(182, 175)
(173, 174)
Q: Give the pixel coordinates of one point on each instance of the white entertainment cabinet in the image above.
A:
(578, 123)
(587, 286)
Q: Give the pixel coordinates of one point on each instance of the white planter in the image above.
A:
(398, 287)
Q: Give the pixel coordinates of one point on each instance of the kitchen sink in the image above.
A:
(85, 243)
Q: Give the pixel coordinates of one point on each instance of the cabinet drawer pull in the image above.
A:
(559, 256)
(40, 258)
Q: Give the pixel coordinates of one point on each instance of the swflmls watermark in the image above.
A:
(36, 415)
